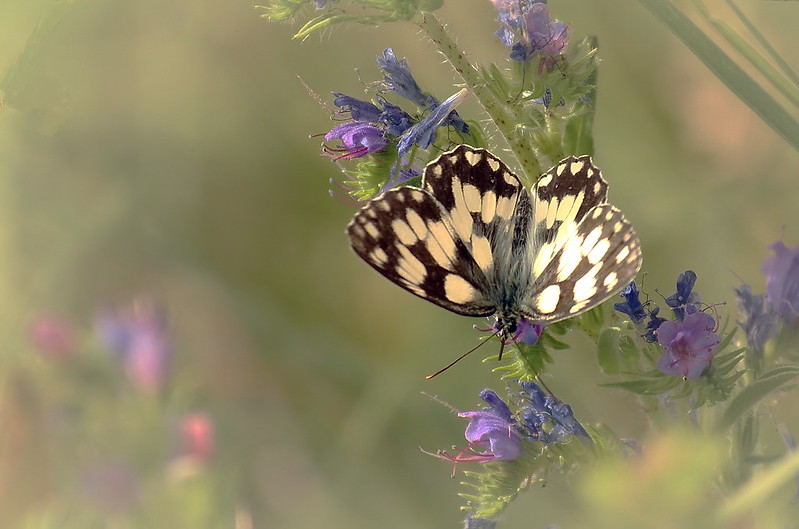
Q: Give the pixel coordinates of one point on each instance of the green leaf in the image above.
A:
(753, 393)
(730, 73)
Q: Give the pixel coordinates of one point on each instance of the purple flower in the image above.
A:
(139, 337)
(359, 110)
(631, 306)
(684, 295)
(547, 419)
(689, 344)
(397, 77)
(396, 120)
(758, 324)
(782, 282)
(540, 35)
(493, 430)
(653, 325)
(358, 138)
(320, 4)
(424, 132)
(526, 332)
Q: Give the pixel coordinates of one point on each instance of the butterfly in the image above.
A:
(475, 241)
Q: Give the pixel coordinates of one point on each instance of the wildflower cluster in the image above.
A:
(688, 346)
(689, 340)
(527, 28)
(517, 443)
(764, 316)
(386, 130)
(124, 359)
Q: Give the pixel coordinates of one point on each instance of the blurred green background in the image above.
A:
(162, 149)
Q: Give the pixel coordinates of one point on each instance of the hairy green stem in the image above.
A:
(504, 116)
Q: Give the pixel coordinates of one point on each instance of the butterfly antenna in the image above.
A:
(461, 357)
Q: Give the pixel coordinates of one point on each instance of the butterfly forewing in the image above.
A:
(407, 236)
(561, 198)
(600, 257)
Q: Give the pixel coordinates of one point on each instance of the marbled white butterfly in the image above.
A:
(474, 241)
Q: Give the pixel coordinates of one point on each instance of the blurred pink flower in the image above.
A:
(196, 436)
(52, 336)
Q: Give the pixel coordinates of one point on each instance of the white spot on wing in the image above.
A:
(547, 300)
(471, 196)
(416, 223)
(585, 287)
(410, 267)
(598, 253)
(458, 290)
(372, 230)
(569, 258)
(440, 244)
(576, 167)
(473, 158)
(493, 164)
(461, 215)
(404, 232)
(378, 256)
(489, 207)
(481, 250)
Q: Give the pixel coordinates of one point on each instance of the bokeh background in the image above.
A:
(155, 156)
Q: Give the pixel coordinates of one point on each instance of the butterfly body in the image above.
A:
(475, 241)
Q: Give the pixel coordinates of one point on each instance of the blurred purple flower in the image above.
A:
(53, 336)
(758, 324)
(782, 282)
(138, 335)
(538, 34)
(358, 138)
(689, 344)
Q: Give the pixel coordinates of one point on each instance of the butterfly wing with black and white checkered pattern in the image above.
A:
(474, 241)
